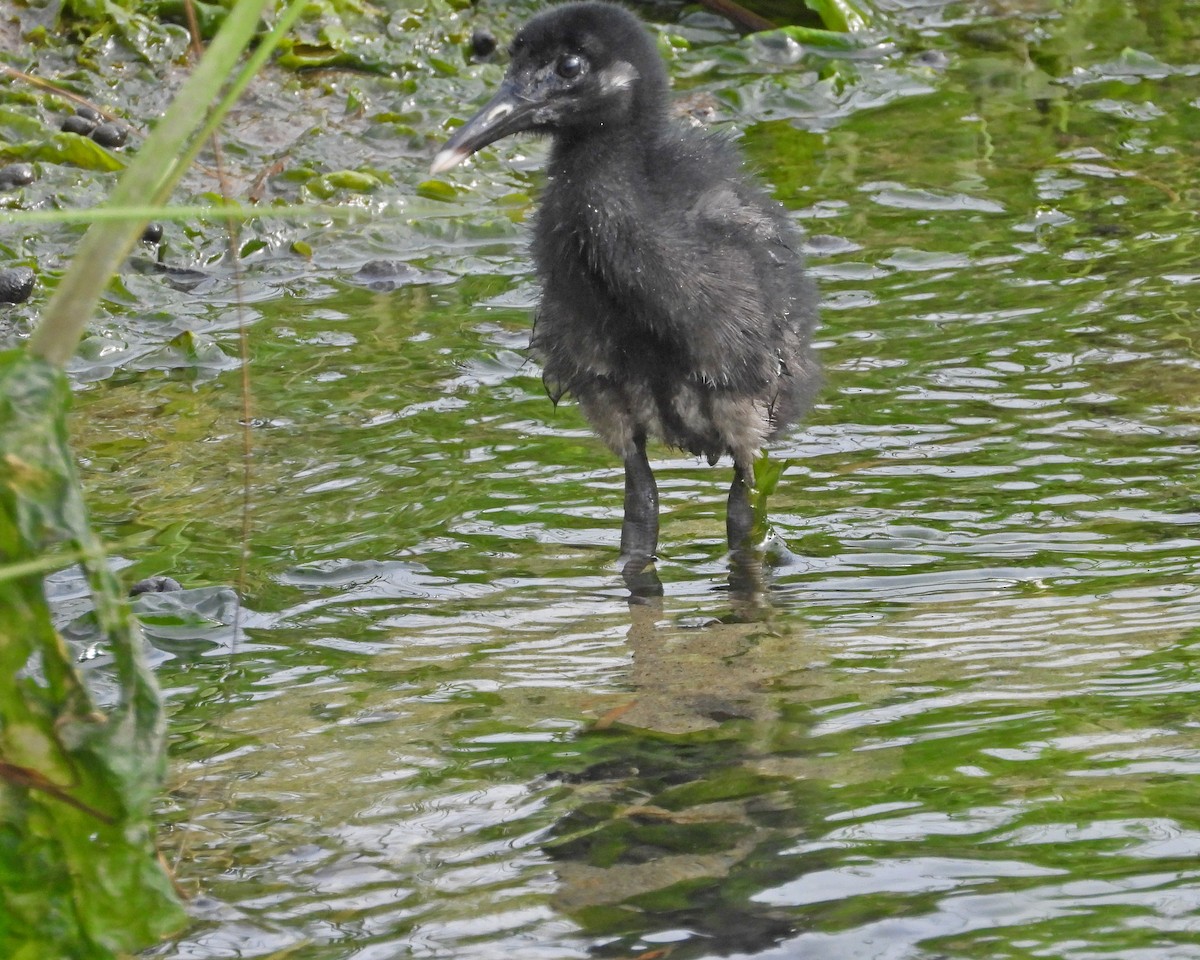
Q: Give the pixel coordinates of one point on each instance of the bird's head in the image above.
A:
(575, 69)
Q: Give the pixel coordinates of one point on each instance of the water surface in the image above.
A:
(961, 722)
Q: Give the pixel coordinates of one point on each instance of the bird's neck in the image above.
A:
(609, 153)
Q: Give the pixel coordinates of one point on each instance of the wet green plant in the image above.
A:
(79, 872)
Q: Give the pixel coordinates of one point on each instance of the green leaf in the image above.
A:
(353, 180)
(79, 873)
(808, 36)
(767, 473)
(64, 148)
(437, 190)
(844, 16)
(209, 16)
(19, 126)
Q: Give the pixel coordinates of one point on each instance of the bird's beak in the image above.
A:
(507, 112)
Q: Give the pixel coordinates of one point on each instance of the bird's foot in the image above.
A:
(640, 576)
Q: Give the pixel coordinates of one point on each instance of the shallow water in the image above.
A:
(961, 722)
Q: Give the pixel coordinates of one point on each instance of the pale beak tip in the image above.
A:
(447, 159)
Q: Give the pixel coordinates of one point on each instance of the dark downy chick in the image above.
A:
(674, 300)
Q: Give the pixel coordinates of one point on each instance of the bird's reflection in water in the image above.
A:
(689, 795)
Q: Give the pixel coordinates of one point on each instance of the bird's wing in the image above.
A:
(712, 279)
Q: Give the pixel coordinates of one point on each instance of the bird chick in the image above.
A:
(674, 301)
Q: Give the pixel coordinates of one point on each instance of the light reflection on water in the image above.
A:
(962, 724)
(386, 800)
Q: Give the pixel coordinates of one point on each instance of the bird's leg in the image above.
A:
(639, 532)
(739, 516)
(745, 561)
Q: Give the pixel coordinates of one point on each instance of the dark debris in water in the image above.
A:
(483, 43)
(155, 585)
(110, 135)
(183, 279)
(384, 275)
(17, 175)
(16, 284)
(79, 125)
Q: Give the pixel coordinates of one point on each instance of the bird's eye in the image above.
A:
(569, 66)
